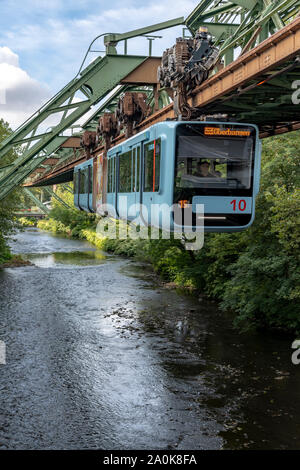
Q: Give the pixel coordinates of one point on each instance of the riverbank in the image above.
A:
(8, 259)
(16, 261)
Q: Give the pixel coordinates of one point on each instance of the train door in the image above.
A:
(150, 183)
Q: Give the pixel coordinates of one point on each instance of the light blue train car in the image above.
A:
(207, 170)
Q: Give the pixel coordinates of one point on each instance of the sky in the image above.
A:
(43, 42)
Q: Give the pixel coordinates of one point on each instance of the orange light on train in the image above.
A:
(183, 203)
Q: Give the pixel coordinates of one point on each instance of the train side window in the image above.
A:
(111, 179)
(90, 183)
(125, 172)
(133, 180)
(86, 180)
(76, 173)
(82, 182)
(152, 166)
(138, 160)
(109, 175)
(114, 176)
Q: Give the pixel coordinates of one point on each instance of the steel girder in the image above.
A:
(265, 100)
(238, 25)
(18, 172)
(59, 199)
(109, 106)
(36, 201)
(62, 155)
(112, 102)
(67, 188)
(95, 82)
(241, 23)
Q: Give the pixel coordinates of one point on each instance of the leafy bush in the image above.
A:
(27, 221)
(8, 222)
(263, 285)
(69, 221)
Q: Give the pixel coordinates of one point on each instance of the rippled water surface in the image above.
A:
(100, 355)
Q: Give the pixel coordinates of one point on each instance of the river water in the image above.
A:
(100, 355)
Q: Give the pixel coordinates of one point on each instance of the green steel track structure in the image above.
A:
(36, 201)
(94, 83)
(237, 26)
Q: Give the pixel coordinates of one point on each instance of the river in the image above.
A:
(100, 355)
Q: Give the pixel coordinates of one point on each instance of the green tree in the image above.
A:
(8, 222)
(264, 281)
(67, 220)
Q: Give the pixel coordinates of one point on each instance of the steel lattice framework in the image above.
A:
(237, 26)
(240, 25)
(94, 83)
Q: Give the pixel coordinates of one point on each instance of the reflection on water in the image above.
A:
(73, 258)
(246, 381)
(36, 241)
(105, 357)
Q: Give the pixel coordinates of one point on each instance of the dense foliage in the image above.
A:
(255, 273)
(69, 221)
(8, 205)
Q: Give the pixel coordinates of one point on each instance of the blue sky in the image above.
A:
(42, 43)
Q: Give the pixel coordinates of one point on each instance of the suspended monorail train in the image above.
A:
(210, 165)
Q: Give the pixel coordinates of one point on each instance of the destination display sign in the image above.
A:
(217, 131)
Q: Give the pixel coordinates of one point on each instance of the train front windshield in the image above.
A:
(215, 160)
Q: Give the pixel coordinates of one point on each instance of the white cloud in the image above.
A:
(61, 39)
(21, 94)
(8, 57)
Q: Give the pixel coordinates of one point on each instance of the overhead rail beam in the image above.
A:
(112, 39)
(95, 82)
(234, 23)
(59, 199)
(256, 88)
(255, 31)
(101, 78)
(67, 188)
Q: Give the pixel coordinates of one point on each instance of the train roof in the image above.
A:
(85, 164)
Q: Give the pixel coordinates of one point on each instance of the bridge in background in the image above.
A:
(27, 213)
(254, 80)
